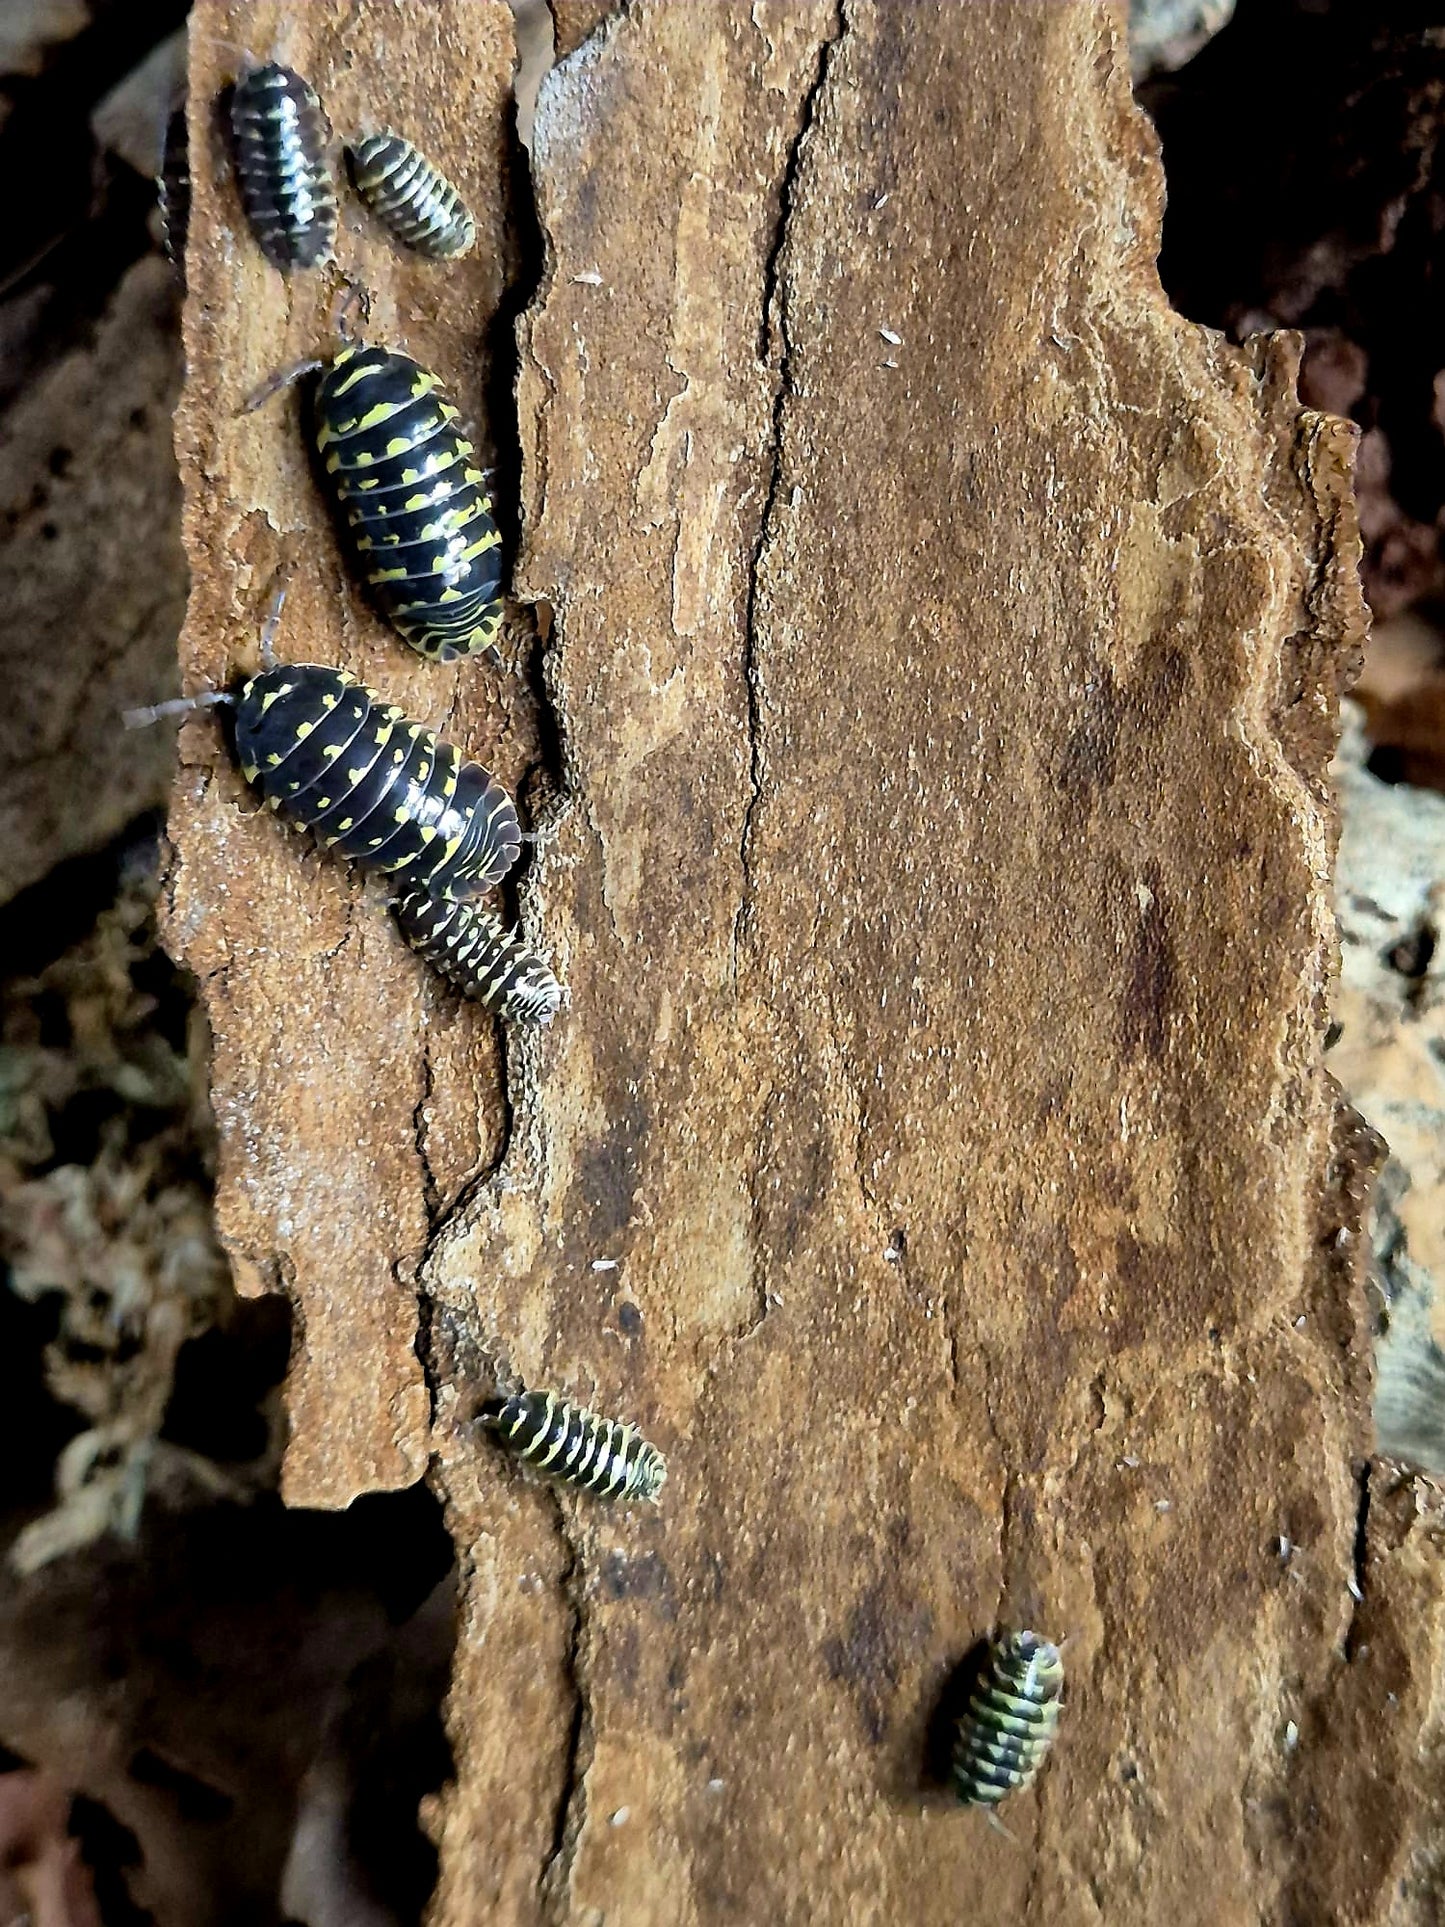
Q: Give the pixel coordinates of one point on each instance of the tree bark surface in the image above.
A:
(355, 1098)
(939, 651)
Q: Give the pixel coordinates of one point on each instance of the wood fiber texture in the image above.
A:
(355, 1095)
(943, 644)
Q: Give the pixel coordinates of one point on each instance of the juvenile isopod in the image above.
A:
(410, 195)
(1009, 1722)
(475, 950)
(572, 1446)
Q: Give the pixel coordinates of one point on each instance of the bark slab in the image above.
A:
(355, 1097)
(943, 644)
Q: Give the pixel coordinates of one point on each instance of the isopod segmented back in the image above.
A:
(572, 1446)
(414, 505)
(382, 791)
(485, 960)
(411, 196)
(279, 137)
(1009, 1723)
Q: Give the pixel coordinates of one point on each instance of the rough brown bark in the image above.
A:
(937, 1156)
(577, 20)
(354, 1097)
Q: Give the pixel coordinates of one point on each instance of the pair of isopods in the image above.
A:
(1008, 1723)
(281, 135)
(389, 795)
(280, 138)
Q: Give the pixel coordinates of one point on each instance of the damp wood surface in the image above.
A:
(355, 1098)
(941, 652)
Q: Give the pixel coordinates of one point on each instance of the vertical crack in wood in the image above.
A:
(443, 1220)
(430, 1191)
(555, 1882)
(334, 951)
(774, 340)
(548, 770)
(757, 1224)
(1360, 1553)
(426, 1346)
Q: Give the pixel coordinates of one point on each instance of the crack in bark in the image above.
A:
(1359, 1557)
(535, 666)
(555, 1880)
(1026, 1911)
(431, 1194)
(757, 1274)
(424, 1344)
(1006, 1496)
(774, 338)
(1005, 1523)
(505, 350)
(329, 956)
(510, 1049)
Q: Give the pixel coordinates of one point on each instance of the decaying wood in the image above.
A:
(937, 1156)
(577, 20)
(341, 1129)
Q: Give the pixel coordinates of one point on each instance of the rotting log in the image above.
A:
(941, 648)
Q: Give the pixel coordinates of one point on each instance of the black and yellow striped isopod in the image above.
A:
(1009, 1723)
(382, 791)
(279, 137)
(475, 950)
(410, 195)
(574, 1447)
(413, 503)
